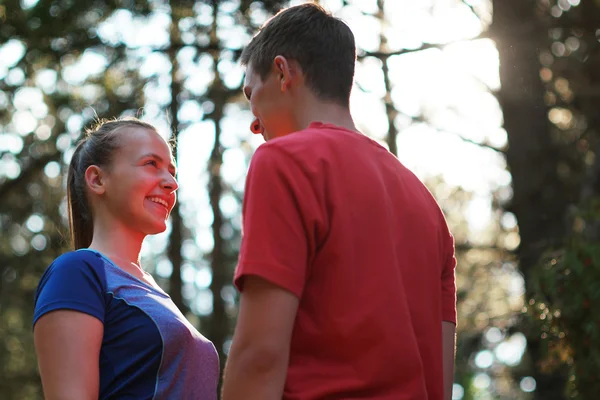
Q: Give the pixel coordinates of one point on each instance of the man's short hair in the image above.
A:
(320, 43)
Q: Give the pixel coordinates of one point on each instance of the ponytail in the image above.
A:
(81, 224)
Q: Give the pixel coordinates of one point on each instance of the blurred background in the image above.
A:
(493, 103)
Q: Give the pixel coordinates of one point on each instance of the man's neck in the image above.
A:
(315, 110)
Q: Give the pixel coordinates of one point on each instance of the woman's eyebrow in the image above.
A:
(172, 167)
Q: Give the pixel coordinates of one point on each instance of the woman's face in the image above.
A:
(140, 181)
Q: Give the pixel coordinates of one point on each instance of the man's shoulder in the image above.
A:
(316, 141)
(304, 138)
(297, 146)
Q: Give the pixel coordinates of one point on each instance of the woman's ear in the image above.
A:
(95, 179)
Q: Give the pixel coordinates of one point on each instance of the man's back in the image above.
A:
(377, 278)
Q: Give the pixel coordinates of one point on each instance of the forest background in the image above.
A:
(492, 103)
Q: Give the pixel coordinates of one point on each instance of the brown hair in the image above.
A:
(96, 148)
(322, 44)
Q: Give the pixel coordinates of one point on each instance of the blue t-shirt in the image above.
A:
(149, 349)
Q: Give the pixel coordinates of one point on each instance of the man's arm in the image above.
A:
(258, 359)
(448, 314)
(448, 354)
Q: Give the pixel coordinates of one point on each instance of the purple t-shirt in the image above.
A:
(149, 349)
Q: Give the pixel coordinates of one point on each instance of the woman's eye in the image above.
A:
(152, 162)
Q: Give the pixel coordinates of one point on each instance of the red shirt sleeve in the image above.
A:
(449, 283)
(278, 212)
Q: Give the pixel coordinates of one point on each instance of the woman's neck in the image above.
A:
(117, 243)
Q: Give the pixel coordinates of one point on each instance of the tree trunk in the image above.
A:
(176, 236)
(540, 199)
(219, 324)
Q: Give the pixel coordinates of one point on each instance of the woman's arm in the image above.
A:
(67, 344)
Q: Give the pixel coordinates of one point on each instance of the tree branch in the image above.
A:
(466, 246)
(426, 46)
(485, 144)
(384, 55)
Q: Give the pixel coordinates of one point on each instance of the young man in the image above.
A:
(346, 267)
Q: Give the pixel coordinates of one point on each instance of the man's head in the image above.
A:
(313, 47)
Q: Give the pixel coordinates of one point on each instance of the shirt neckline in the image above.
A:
(112, 263)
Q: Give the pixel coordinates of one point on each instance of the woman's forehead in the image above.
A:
(140, 139)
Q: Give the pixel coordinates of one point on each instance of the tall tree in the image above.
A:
(567, 277)
(179, 10)
(539, 160)
(219, 328)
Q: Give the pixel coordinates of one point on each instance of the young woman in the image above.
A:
(103, 328)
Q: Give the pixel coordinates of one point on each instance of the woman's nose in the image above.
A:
(170, 183)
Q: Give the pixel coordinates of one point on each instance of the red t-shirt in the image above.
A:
(337, 220)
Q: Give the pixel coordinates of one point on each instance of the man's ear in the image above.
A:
(95, 179)
(286, 71)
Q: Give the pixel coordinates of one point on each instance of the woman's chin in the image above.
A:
(156, 227)
(158, 230)
(155, 223)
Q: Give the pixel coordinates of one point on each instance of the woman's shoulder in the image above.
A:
(75, 281)
(77, 259)
(74, 266)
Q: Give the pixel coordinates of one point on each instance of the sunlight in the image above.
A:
(9, 167)
(52, 170)
(478, 58)
(10, 143)
(192, 164)
(121, 26)
(89, 64)
(24, 122)
(203, 277)
(11, 53)
(511, 350)
(527, 384)
(28, 4)
(234, 162)
(482, 381)
(484, 359)
(458, 392)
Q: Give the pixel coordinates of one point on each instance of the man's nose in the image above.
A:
(256, 127)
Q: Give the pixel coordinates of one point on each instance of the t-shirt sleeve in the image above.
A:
(279, 214)
(449, 282)
(71, 283)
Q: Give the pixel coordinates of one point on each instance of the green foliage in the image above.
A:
(567, 285)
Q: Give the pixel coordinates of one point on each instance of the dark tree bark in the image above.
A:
(177, 228)
(540, 197)
(219, 94)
